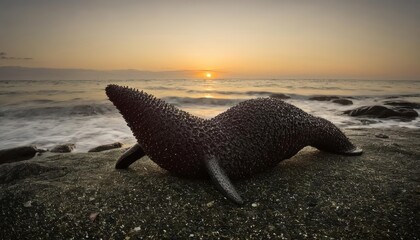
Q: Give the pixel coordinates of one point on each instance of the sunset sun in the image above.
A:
(208, 75)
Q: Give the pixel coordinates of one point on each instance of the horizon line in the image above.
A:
(233, 77)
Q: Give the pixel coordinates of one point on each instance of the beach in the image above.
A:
(312, 195)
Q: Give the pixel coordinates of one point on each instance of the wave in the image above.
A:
(402, 95)
(59, 111)
(179, 101)
(249, 93)
(164, 88)
(40, 92)
(216, 92)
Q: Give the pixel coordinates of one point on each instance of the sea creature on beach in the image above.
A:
(246, 139)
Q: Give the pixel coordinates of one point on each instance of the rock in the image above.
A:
(27, 204)
(210, 204)
(401, 103)
(93, 216)
(106, 147)
(17, 154)
(378, 111)
(279, 96)
(343, 101)
(368, 121)
(380, 135)
(334, 99)
(64, 148)
(323, 98)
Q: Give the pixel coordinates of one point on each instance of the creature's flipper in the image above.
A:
(354, 152)
(221, 180)
(130, 156)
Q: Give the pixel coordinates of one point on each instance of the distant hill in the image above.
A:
(24, 73)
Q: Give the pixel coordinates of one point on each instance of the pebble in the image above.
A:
(28, 204)
(255, 205)
(93, 216)
(210, 204)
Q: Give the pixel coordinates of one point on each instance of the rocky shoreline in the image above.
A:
(27, 152)
(312, 195)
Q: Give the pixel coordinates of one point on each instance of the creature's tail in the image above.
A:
(327, 137)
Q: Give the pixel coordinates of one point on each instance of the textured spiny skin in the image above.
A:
(248, 138)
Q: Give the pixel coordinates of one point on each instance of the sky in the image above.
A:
(343, 39)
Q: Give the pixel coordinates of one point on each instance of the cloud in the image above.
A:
(3, 56)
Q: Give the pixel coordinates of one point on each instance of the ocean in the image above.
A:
(47, 113)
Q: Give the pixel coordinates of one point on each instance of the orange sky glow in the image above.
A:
(354, 39)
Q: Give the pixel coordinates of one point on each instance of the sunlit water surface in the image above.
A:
(46, 113)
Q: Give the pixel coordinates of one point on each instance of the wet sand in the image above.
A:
(313, 194)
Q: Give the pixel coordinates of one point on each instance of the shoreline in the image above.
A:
(79, 112)
(313, 194)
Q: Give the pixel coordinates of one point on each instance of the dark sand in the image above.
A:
(313, 195)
